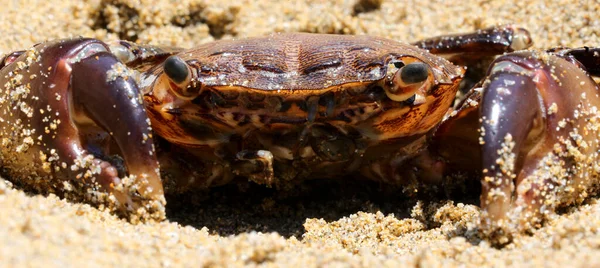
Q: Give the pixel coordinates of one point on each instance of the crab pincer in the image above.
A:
(539, 130)
(73, 123)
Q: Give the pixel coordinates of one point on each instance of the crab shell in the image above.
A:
(318, 102)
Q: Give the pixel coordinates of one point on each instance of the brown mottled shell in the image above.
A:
(303, 61)
(311, 78)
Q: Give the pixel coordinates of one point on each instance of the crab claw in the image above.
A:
(73, 122)
(539, 127)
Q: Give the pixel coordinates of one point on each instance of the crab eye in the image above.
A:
(181, 82)
(176, 69)
(414, 73)
(408, 83)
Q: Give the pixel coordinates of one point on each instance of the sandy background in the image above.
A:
(322, 223)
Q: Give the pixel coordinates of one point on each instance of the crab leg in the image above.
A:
(141, 57)
(539, 130)
(477, 49)
(587, 57)
(10, 58)
(473, 46)
(71, 110)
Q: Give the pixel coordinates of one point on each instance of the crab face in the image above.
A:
(306, 99)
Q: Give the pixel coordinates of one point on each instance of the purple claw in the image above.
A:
(539, 114)
(71, 113)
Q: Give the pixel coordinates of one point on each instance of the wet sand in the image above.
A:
(321, 223)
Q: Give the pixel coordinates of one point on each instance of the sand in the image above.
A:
(346, 224)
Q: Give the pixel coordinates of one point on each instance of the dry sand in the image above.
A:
(347, 224)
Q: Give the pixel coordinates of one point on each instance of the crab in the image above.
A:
(118, 124)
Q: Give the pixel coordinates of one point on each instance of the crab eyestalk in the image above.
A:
(179, 74)
(408, 82)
